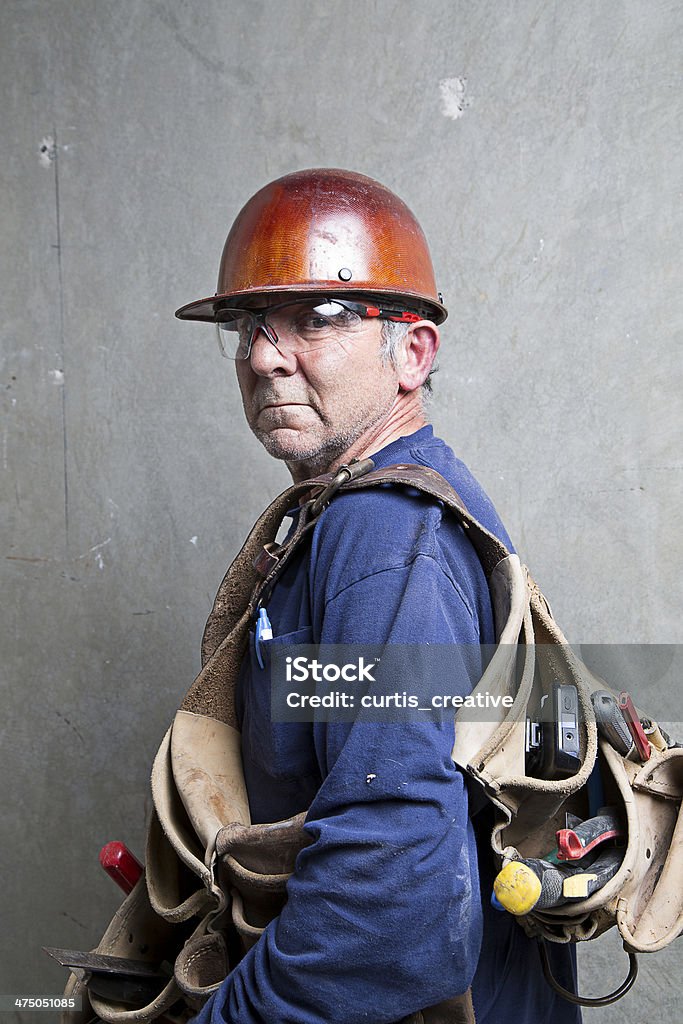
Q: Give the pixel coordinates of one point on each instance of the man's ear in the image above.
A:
(417, 354)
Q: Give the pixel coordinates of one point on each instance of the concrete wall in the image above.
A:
(539, 144)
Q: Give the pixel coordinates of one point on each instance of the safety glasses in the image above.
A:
(301, 325)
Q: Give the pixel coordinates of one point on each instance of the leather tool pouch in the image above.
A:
(197, 920)
(644, 898)
(213, 880)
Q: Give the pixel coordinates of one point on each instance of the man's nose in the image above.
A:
(268, 359)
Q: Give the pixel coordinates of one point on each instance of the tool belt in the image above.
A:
(213, 880)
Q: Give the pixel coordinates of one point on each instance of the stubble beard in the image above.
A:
(314, 455)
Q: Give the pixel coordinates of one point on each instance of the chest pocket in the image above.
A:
(282, 750)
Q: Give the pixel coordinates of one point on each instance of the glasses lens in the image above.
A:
(303, 326)
(235, 328)
(297, 326)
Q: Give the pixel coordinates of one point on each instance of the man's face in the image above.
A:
(311, 405)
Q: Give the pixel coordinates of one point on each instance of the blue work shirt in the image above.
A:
(389, 908)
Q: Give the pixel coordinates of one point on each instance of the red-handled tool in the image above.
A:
(121, 865)
(575, 843)
(630, 714)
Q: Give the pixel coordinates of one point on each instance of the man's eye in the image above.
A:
(313, 322)
(316, 322)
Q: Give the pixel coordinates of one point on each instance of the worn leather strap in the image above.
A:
(488, 547)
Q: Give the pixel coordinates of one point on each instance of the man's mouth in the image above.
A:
(279, 405)
(282, 407)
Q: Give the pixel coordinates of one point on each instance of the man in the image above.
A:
(327, 302)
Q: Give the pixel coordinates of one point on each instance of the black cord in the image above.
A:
(572, 997)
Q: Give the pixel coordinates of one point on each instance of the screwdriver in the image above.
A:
(536, 884)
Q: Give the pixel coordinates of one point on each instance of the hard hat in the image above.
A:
(320, 231)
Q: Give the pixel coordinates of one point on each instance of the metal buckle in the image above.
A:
(355, 468)
(266, 559)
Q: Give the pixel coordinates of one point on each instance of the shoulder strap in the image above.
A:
(257, 566)
(489, 548)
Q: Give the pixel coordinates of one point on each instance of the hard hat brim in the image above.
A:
(205, 309)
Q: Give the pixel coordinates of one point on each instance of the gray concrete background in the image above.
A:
(540, 146)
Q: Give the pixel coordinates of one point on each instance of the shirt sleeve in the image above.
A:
(383, 915)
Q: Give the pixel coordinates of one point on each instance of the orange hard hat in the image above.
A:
(320, 231)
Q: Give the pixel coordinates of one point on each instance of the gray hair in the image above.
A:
(392, 336)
